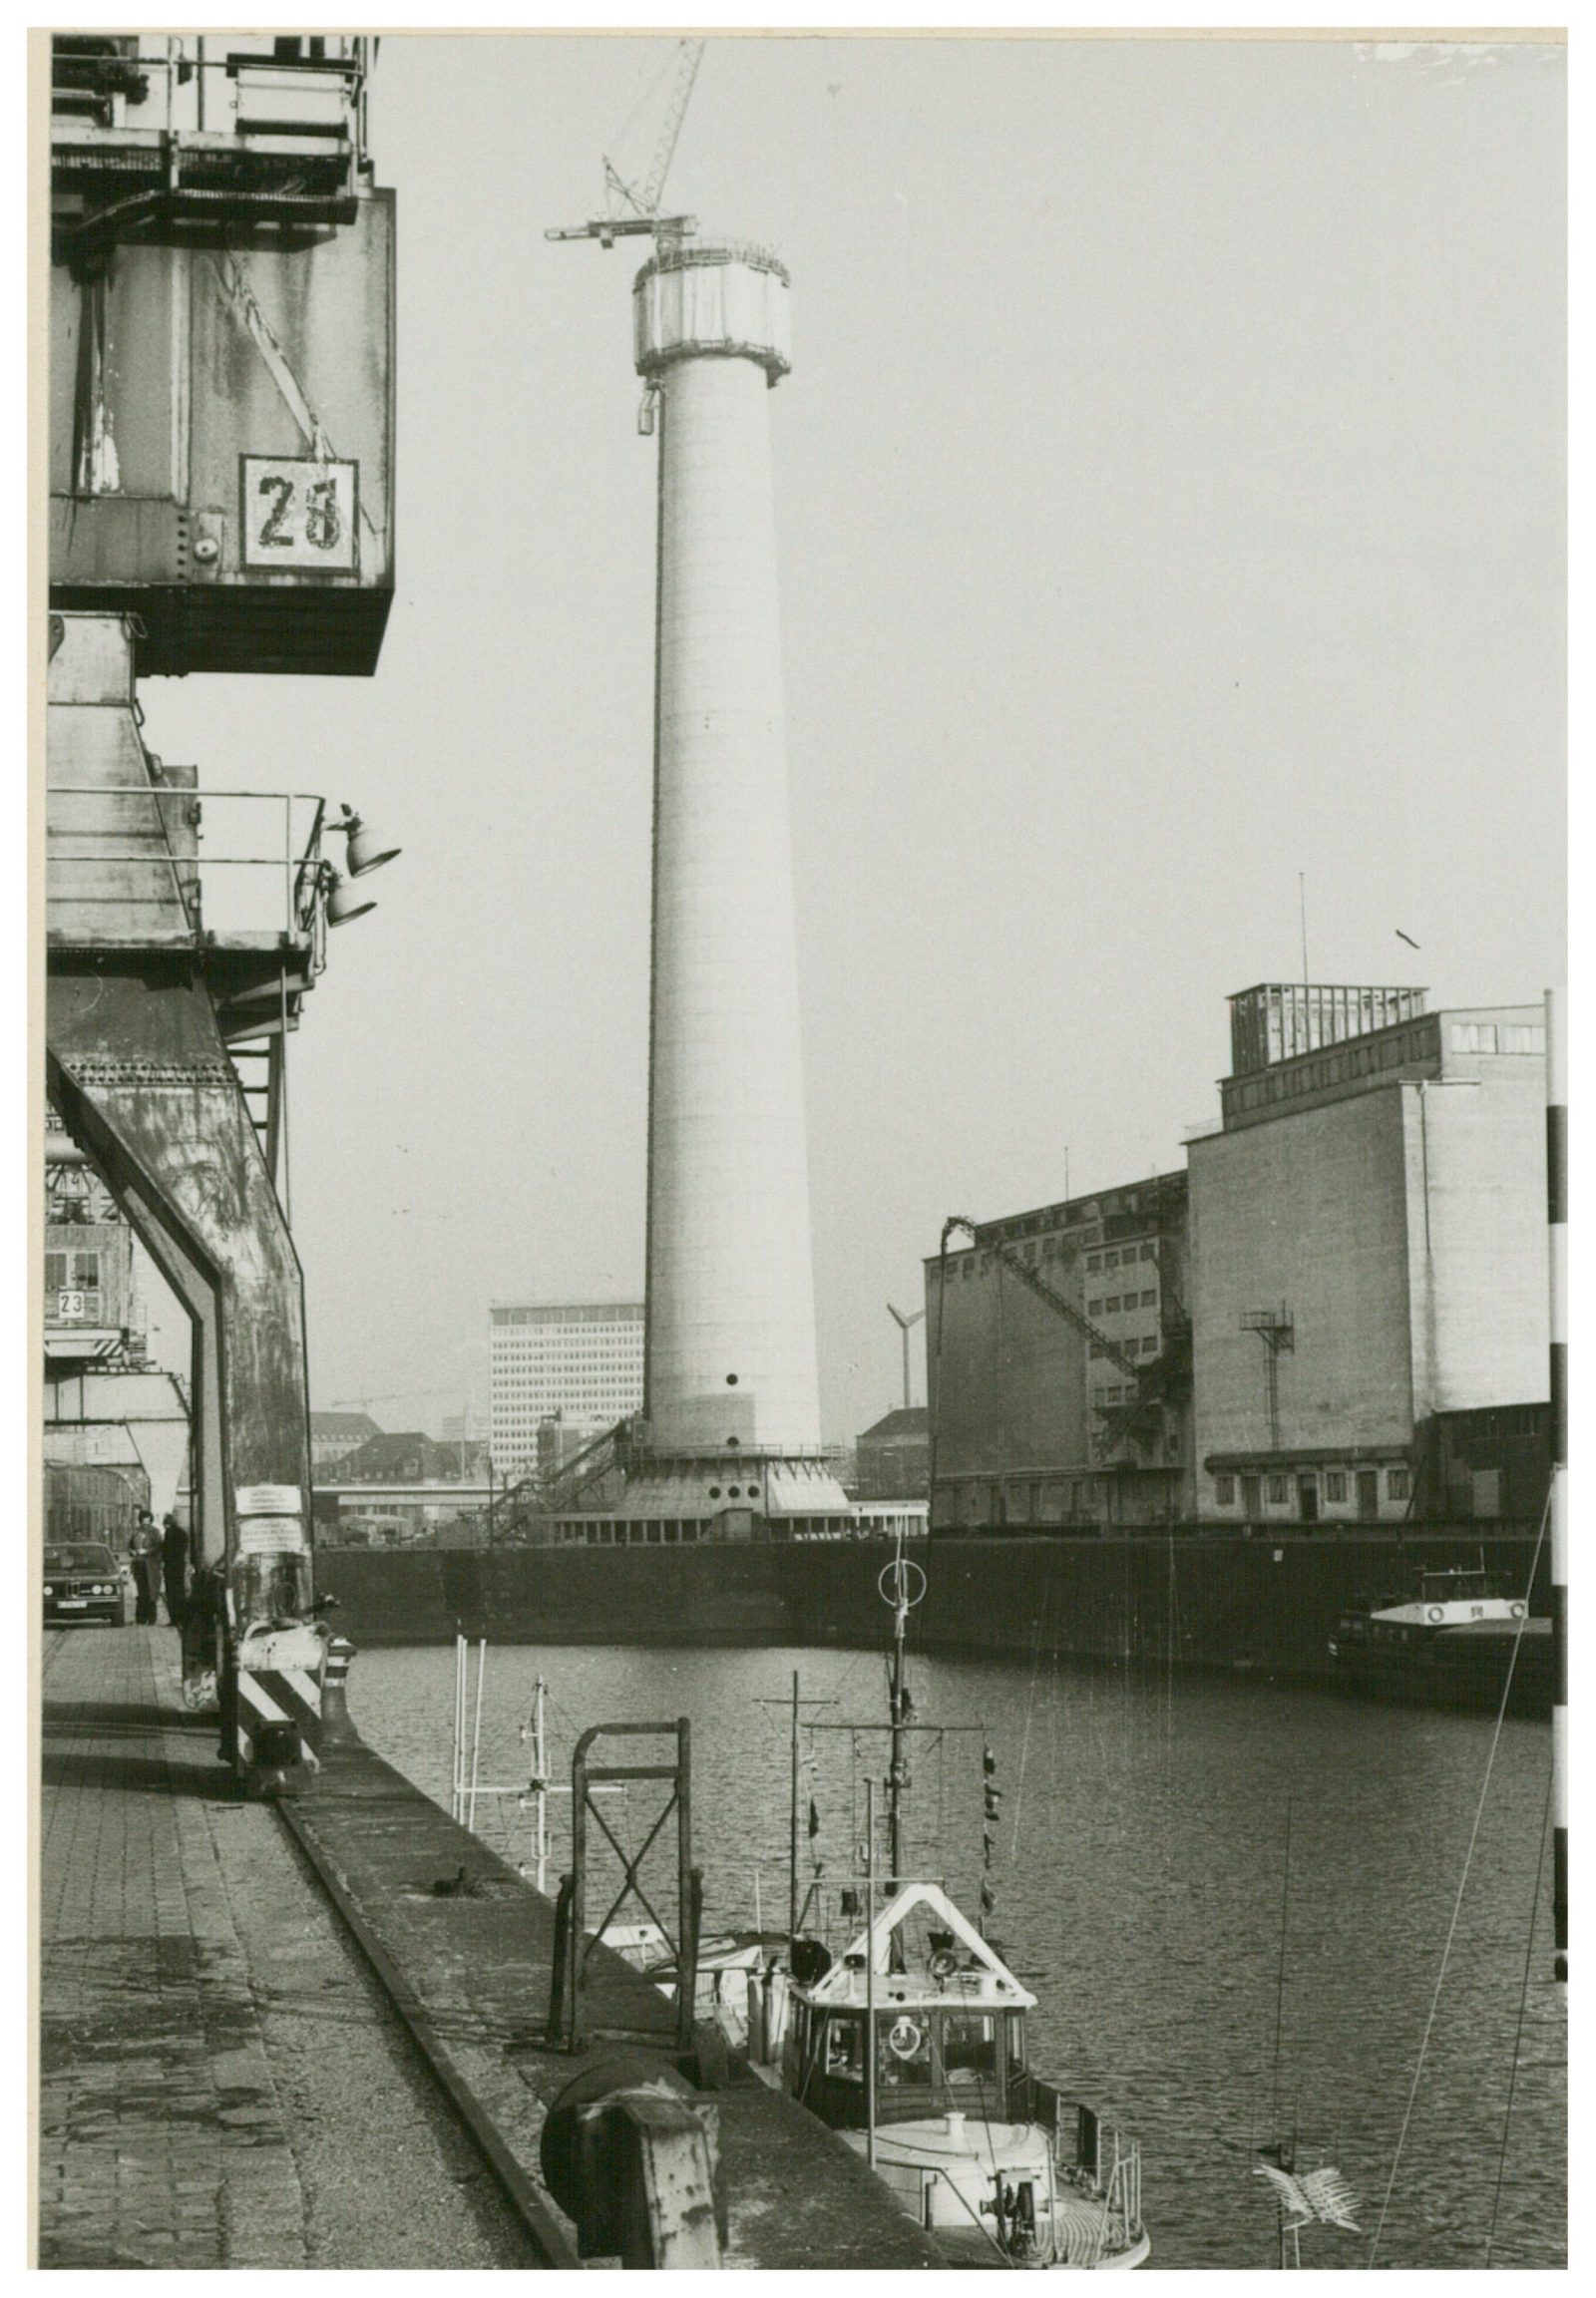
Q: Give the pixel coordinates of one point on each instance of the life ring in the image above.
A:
(1518, 1611)
(1436, 1612)
(943, 1965)
(905, 2039)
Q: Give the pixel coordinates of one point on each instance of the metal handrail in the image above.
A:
(301, 870)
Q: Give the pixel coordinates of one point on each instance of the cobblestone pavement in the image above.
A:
(221, 2081)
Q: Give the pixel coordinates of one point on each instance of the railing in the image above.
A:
(137, 848)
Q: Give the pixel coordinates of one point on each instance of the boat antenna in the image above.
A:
(898, 1589)
(1280, 1993)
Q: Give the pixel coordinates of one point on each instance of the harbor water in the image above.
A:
(1231, 1900)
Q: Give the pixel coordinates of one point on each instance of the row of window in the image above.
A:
(1124, 1258)
(1337, 1486)
(1496, 1038)
(1112, 1303)
(1127, 1346)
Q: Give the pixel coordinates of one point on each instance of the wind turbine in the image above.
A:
(904, 1323)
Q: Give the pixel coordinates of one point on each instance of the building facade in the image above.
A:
(575, 1362)
(892, 1459)
(1338, 1313)
(1059, 1364)
(1369, 1248)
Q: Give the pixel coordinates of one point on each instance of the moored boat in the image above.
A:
(901, 2025)
(1459, 1640)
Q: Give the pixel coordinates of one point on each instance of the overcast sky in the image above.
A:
(1170, 499)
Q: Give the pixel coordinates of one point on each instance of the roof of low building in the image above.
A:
(908, 1420)
(352, 1424)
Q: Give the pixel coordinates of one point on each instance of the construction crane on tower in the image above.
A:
(633, 208)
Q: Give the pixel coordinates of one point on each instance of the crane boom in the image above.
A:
(644, 200)
(1044, 1291)
(691, 55)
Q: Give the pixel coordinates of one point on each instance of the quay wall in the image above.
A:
(1203, 1600)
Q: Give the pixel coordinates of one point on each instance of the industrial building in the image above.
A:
(892, 1459)
(1369, 1249)
(1337, 1314)
(1058, 1359)
(575, 1365)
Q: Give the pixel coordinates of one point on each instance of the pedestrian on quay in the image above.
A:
(175, 1568)
(145, 1550)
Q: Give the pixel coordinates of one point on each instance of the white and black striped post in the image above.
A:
(1557, 1218)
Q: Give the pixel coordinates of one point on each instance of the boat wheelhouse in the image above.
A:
(912, 2046)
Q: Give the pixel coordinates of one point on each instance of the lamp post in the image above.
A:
(904, 1323)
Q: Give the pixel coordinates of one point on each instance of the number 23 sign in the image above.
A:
(300, 513)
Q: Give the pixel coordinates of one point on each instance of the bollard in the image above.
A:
(336, 1724)
(633, 2155)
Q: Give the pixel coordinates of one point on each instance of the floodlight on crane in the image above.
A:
(633, 208)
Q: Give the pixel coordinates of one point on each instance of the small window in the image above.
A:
(1335, 1483)
(1110, 1260)
(969, 2048)
(1093, 1308)
(1396, 1483)
(1099, 1349)
(845, 2054)
(1149, 1299)
(1277, 1491)
(1094, 1261)
(1225, 1491)
(1149, 1343)
(1149, 1252)
(55, 1271)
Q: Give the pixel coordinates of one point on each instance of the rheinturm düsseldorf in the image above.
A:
(731, 1405)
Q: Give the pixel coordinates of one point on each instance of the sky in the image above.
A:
(1170, 502)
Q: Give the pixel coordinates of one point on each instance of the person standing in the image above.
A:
(145, 1550)
(175, 1568)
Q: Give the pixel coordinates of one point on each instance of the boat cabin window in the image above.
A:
(902, 2049)
(969, 2048)
(845, 2049)
(1014, 2042)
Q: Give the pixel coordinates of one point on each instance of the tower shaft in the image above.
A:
(730, 1336)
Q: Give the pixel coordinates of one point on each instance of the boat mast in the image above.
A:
(898, 1769)
(792, 1889)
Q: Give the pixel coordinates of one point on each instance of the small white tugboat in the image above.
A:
(897, 2023)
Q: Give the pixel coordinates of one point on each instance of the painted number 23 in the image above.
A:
(323, 526)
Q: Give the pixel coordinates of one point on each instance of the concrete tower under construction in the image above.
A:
(732, 1416)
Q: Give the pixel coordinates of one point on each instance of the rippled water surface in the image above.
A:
(1141, 1873)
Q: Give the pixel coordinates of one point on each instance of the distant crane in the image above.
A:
(632, 208)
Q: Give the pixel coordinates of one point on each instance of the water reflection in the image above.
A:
(1139, 1872)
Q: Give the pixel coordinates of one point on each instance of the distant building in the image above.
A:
(1369, 1244)
(892, 1459)
(408, 1458)
(334, 1435)
(1074, 1408)
(1338, 1314)
(580, 1361)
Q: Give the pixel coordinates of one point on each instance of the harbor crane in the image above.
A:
(633, 208)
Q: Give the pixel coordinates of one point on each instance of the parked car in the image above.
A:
(81, 1581)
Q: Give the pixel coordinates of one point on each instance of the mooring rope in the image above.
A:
(1519, 2032)
(1463, 1885)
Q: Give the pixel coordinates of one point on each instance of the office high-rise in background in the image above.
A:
(576, 1365)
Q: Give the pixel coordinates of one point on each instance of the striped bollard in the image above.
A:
(1557, 1218)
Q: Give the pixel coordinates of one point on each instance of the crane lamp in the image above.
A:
(365, 848)
(343, 903)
